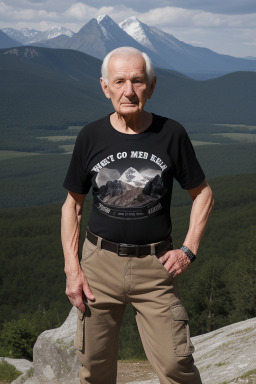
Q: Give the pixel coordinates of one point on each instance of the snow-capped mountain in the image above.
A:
(100, 36)
(183, 57)
(57, 31)
(25, 35)
(14, 34)
(138, 31)
(7, 42)
(31, 36)
(133, 177)
(132, 189)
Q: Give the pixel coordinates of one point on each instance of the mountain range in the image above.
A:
(60, 87)
(27, 36)
(7, 42)
(131, 189)
(99, 36)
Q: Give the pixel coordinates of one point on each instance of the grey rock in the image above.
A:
(221, 356)
(54, 356)
(225, 354)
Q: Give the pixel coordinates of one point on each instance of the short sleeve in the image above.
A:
(77, 178)
(188, 171)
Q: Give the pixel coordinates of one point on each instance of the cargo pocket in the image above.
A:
(80, 331)
(180, 331)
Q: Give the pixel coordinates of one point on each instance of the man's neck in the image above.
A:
(131, 124)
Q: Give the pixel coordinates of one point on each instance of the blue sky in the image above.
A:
(225, 26)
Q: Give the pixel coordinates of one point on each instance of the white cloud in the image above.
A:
(178, 17)
(225, 33)
(83, 12)
(5, 10)
(79, 11)
(119, 13)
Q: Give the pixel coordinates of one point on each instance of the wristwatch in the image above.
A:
(189, 253)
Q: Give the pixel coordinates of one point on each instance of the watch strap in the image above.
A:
(189, 253)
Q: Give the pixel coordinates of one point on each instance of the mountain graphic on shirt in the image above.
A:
(131, 189)
(133, 177)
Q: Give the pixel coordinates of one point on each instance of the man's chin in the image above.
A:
(129, 109)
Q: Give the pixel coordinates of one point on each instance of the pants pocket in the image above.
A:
(180, 331)
(80, 331)
(160, 265)
(88, 250)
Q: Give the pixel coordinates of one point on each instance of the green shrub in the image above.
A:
(8, 372)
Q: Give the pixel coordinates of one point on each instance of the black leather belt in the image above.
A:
(122, 249)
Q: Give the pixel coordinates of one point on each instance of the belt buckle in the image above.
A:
(123, 253)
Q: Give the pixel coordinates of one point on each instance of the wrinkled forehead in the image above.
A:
(127, 61)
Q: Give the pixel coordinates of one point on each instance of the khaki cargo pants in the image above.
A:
(162, 320)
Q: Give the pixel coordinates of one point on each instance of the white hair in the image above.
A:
(126, 51)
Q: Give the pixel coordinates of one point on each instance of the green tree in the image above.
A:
(244, 280)
(18, 338)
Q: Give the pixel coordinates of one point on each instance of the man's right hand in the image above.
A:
(76, 287)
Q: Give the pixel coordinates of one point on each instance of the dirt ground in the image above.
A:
(129, 371)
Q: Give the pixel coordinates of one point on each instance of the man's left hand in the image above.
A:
(175, 262)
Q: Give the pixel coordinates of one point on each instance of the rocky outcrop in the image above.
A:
(221, 356)
(227, 353)
(54, 356)
(224, 355)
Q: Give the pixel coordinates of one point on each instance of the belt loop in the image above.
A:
(99, 241)
(153, 249)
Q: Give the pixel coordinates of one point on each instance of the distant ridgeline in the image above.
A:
(46, 93)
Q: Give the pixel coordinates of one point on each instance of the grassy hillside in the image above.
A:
(223, 277)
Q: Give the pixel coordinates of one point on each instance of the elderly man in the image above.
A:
(130, 158)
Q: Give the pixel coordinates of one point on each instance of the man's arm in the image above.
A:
(176, 261)
(76, 282)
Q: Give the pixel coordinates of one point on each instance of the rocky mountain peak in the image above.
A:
(130, 21)
(57, 31)
(100, 18)
(105, 20)
(136, 29)
(133, 177)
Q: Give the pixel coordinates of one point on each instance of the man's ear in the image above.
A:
(152, 87)
(104, 87)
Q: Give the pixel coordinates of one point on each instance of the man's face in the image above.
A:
(128, 86)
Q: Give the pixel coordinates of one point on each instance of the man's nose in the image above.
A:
(128, 92)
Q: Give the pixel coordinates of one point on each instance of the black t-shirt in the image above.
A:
(131, 176)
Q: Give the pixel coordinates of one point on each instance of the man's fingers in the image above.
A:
(165, 257)
(76, 301)
(80, 306)
(175, 262)
(87, 291)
